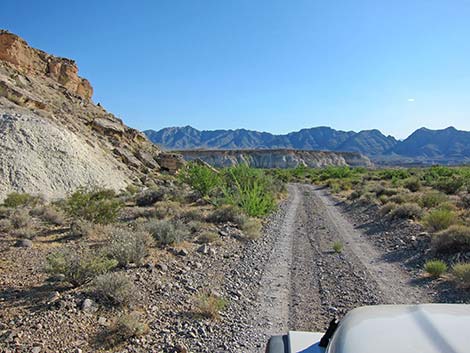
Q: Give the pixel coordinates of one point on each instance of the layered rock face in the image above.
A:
(53, 138)
(30, 61)
(280, 158)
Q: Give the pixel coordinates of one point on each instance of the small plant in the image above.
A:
(80, 228)
(413, 184)
(432, 199)
(387, 208)
(252, 228)
(454, 239)
(95, 206)
(115, 288)
(15, 199)
(407, 211)
(337, 247)
(78, 267)
(130, 325)
(127, 246)
(20, 218)
(167, 209)
(439, 219)
(227, 213)
(201, 178)
(208, 237)
(461, 272)
(435, 268)
(166, 232)
(49, 214)
(209, 306)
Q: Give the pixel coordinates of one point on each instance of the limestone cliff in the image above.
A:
(279, 158)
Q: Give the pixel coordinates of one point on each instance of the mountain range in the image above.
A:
(424, 146)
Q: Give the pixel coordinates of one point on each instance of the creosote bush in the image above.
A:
(15, 199)
(461, 272)
(407, 211)
(127, 246)
(115, 288)
(201, 178)
(78, 267)
(454, 239)
(435, 268)
(209, 306)
(95, 206)
(166, 232)
(440, 219)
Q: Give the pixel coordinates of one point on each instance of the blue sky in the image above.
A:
(267, 65)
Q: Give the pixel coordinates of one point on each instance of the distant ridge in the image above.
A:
(424, 146)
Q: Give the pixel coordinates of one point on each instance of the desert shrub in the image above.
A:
(336, 173)
(391, 174)
(195, 226)
(129, 326)
(413, 184)
(355, 195)
(439, 219)
(115, 288)
(252, 228)
(449, 185)
(95, 206)
(166, 232)
(78, 267)
(167, 209)
(27, 232)
(193, 215)
(127, 246)
(52, 216)
(387, 208)
(20, 218)
(5, 212)
(5, 225)
(407, 211)
(16, 199)
(80, 228)
(337, 247)
(209, 305)
(335, 187)
(456, 238)
(432, 199)
(149, 197)
(132, 189)
(398, 198)
(250, 189)
(435, 268)
(227, 213)
(208, 237)
(201, 178)
(461, 272)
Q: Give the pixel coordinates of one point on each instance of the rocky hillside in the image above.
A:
(53, 138)
(280, 158)
(424, 146)
(371, 142)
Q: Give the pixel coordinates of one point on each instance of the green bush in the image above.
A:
(387, 208)
(456, 238)
(250, 189)
(115, 288)
(435, 268)
(449, 185)
(440, 219)
(200, 178)
(78, 267)
(127, 246)
(432, 199)
(461, 272)
(413, 184)
(407, 211)
(96, 206)
(16, 199)
(166, 232)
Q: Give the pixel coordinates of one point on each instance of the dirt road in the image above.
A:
(305, 283)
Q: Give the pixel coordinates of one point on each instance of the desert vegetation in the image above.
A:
(435, 198)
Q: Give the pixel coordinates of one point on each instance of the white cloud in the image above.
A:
(411, 99)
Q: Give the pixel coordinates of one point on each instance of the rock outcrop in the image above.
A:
(53, 138)
(29, 61)
(280, 158)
